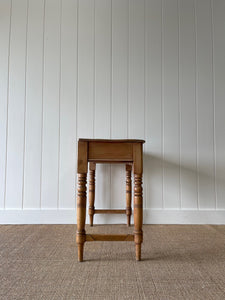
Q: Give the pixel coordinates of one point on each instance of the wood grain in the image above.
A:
(92, 152)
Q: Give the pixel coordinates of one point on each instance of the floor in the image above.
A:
(179, 262)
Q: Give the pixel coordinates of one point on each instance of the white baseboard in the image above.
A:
(151, 216)
(216, 217)
(37, 216)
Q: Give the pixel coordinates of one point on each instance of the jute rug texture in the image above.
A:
(178, 262)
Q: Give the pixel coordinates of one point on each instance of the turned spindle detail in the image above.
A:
(81, 214)
(138, 214)
(128, 193)
(91, 211)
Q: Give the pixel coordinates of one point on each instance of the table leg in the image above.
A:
(138, 214)
(81, 214)
(128, 193)
(92, 167)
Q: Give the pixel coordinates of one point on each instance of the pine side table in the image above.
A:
(93, 151)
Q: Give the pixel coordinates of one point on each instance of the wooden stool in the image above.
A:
(95, 151)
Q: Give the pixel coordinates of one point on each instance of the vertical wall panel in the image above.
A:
(102, 95)
(136, 92)
(120, 52)
(219, 62)
(67, 150)
(118, 187)
(187, 91)
(50, 147)
(85, 69)
(170, 105)
(102, 68)
(205, 107)
(16, 106)
(33, 118)
(5, 11)
(153, 113)
(85, 101)
(136, 69)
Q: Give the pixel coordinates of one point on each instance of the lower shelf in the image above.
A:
(109, 237)
(110, 211)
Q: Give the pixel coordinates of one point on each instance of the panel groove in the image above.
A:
(59, 112)
(162, 105)
(25, 104)
(145, 107)
(179, 102)
(94, 71)
(111, 71)
(213, 97)
(144, 46)
(7, 117)
(42, 101)
(111, 97)
(196, 101)
(128, 55)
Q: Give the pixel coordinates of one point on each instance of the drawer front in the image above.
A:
(110, 151)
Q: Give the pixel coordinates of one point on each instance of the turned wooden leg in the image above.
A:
(138, 214)
(128, 193)
(91, 210)
(81, 214)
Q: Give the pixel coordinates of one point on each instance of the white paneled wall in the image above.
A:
(149, 69)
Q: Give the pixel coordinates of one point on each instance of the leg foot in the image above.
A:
(128, 221)
(80, 239)
(80, 252)
(91, 220)
(138, 252)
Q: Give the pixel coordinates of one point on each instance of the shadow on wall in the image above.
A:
(171, 185)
